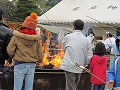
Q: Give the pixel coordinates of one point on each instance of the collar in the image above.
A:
(1, 23)
(26, 36)
(77, 31)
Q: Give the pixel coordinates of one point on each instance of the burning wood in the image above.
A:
(52, 57)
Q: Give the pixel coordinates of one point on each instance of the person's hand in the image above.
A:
(6, 63)
(37, 64)
(110, 84)
(117, 88)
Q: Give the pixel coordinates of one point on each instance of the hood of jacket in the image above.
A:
(26, 39)
(100, 59)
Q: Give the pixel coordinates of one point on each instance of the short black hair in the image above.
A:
(1, 13)
(100, 49)
(78, 24)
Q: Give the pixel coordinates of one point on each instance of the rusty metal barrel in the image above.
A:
(50, 80)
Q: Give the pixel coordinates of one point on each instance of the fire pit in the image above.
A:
(55, 80)
(50, 79)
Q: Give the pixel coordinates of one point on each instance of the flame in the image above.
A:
(52, 59)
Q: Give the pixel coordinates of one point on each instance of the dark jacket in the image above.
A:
(5, 35)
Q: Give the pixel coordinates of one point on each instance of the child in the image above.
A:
(98, 67)
(113, 75)
(26, 50)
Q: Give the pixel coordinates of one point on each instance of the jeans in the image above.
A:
(99, 87)
(24, 71)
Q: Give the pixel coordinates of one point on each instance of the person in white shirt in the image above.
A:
(110, 41)
(90, 35)
(109, 45)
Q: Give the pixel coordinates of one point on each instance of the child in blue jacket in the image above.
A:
(113, 75)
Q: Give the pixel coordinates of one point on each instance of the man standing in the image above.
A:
(77, 50)
(5, 35)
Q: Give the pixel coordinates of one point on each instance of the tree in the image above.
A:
(17, 10)
(52, 2)
(9, 9)
(24, 8)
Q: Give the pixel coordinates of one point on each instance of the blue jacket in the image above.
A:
(114, 71)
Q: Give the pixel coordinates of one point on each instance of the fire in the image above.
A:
(55, 59)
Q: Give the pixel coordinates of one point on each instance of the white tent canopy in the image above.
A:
(105, 11)
(56, 29)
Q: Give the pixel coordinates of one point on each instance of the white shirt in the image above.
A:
(109, 42)
(90, 38)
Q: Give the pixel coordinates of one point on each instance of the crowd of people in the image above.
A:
(25, 49)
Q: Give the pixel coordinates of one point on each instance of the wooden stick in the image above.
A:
(85, 69)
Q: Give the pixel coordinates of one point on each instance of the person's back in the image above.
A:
(5, 36)
(77, 50)
(98, 67)
(77, 46)
(26, 51)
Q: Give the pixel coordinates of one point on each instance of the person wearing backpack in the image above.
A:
(113, 75)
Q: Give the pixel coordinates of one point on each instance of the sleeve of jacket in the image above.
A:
(7, 40)
(11, 46)
(40, 51)
(89, 54)
(111, 73)
(64, 42)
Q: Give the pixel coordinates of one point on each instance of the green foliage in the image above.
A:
(9, 8)
(24, 8)
(52, 2)
(17, 10)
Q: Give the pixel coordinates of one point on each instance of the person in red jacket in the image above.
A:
(98, 66)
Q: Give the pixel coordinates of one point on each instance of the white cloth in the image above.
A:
(109, 42)
(77, 50)
(90, 38)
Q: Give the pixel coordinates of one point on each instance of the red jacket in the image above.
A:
(98, 66)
